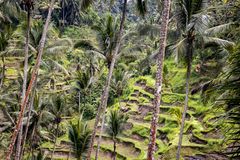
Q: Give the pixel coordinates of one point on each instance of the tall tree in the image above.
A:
(57, 107)
(83, 83)
(115, 124)
(159, 79)
(33, 79)
(194, 22)
(110, 27)
(188, 24)
(104, 97)
(119, 82)
(29, 6)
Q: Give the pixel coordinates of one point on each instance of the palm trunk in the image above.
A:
(33, 79)
(100, 137)
(19, 140)
(3, 72)
(114, 149)
(55, 141)
(63, 15)
(79, 104)
(25, 72)
(189, 63)
(30, 107)
(159, 79)
(84, 99)
(104, 97)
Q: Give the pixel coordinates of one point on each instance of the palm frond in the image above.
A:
(200, 22)
(221, 42)
(179, 49)
(219, 29)
(115, 123)
(79, 135)
(85, 44)
(61, 67)
(95, 54)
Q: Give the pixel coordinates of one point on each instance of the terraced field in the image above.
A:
(200, 140)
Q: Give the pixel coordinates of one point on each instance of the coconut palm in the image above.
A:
(115, 123)
(111, 43)
(57, 110)
(79, 135)
(83, 84)
(119, 82)
(33, 79)
(29, 6)
(104, 97)
(40, 118)
(194, 22)
(159, 79)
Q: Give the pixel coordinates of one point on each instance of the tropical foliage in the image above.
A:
(119, 79)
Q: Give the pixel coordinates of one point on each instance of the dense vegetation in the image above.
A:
(123, 79)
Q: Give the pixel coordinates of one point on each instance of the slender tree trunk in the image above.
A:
(30, 107)
(104, 97)
(100, 137)
(114, 149)
(33, 79)
(24, 86)
(19, 140)
(189, 63)
(79, 104)
(63, 15)
(159, 79)
(55, 141)
(84, 99)
(3, 72)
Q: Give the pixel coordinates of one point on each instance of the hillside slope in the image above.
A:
(201, 138)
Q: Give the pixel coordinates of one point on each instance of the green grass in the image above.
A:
(173, 97)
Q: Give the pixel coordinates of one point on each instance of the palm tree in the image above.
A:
(29, 7)
(194, 23)
(33, 79)
(57, 108)
(115, 124)
(104, 97)
(39, 117)
(83, 83)
(79, 135)
(119, 82)
(159, 79)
